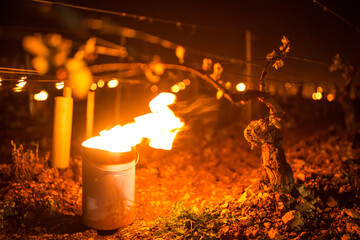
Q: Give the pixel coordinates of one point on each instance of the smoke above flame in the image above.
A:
(159, 127)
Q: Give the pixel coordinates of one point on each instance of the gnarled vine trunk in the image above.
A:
(278, 170)
(265, 133)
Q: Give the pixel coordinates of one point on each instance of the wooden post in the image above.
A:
(117, 104)
(31, 101)
(118, 88)
(62, 130)
(67, 92)
(248, 71)
(90, 108)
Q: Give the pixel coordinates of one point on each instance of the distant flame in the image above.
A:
(113, 83)
(59, 85)
(159, 127)
(240, 87)
(101, 83)
(41, 96)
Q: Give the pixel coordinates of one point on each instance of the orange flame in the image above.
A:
(160, 127)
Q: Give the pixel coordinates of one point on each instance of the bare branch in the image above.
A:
(280, 55)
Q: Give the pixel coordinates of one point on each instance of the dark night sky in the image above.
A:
(314, 34)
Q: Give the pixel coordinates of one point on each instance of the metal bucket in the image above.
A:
(108, 200)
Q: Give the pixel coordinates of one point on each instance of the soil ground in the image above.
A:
(217, 172)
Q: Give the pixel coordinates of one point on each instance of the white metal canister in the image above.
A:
(108, 200)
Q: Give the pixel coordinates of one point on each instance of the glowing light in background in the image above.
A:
(186, 81)
(227, 85)
(20, 84)
(240, 87)
(154, 88)
(180, 53)
(61, 74)
(317, 95)
(79, 75)
(160, 127)
(54, 39)
(41, 96)
(93, 86)
(181, 85)
(288, 85)
(207, 64)
(175, 88)
(158, 68)
(272, 89)
(330, 97)
(319, 89)
(59, 85)
(101, 83)
(113, 83)
(0, 81)
(41, 64)
(290, 89)
(219, 94)
(17, 89)
(314, 96)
